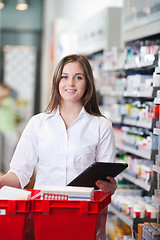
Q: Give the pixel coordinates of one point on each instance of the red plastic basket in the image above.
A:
(15, 219)
(80, 220)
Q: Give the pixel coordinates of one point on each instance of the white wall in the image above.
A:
(49, 18)
(67, 13)
(75, 10)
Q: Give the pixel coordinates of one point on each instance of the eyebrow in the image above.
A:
(75, 74)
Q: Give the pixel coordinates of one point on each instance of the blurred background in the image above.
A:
(34, 35)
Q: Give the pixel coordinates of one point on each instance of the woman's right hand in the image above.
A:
(107, 186)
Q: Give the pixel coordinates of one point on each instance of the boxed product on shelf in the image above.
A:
(149, 231)
(134, 81)
(156, 79)
(138, 168)
(113, 58)
(117, 229)
(120, 198)
(157, 124)
(133, 205)
(157, 193)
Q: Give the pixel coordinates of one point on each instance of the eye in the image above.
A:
(79, 78)
(63, 77)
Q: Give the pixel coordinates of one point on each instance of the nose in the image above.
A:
(71, 81)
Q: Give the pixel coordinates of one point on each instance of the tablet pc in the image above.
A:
(98, 171)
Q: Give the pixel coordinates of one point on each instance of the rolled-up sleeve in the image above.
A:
(25, 156)
(106, 146)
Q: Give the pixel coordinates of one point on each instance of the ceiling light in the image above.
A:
(2, 4)
(22, 5)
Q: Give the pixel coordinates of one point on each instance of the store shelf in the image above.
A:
(137, 237)
(134, 67)
(141, 31)
(156, 168)
(157, 70)
(156, 200)
(132, 33)
(129, 121)
(127, 219)
(139, 123)
(144, 124)
(157, 101)
(113, 69)
(138, 182)
(156, 131)
(112, 93)
(131, 222)
(149, 92)
(136, 95)
(144, 154)
(115, 120)
(142, 65)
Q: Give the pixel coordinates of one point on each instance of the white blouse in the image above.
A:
(59, 155)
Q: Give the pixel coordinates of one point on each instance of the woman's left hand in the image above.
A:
(107, 186)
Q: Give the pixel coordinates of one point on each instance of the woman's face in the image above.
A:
(72, 85)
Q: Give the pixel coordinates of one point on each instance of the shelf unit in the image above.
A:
(137, 24)
(156, 168)
(140, 183)
(150, 95)
(96, 32)
(139, 123)
(156, 199)
(156, 131)
(150, 92)
(140, 153)
(148, 155)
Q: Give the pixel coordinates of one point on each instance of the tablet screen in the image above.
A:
(98, 171)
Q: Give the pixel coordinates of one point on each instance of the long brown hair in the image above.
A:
(89, 99)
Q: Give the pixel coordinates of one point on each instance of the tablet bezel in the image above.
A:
(98, 171)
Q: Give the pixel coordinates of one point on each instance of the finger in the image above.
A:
(107, 186)
(103, 185)
(111, 179)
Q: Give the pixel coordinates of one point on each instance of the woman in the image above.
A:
(69, 136)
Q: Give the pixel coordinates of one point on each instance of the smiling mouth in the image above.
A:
(70, 90)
